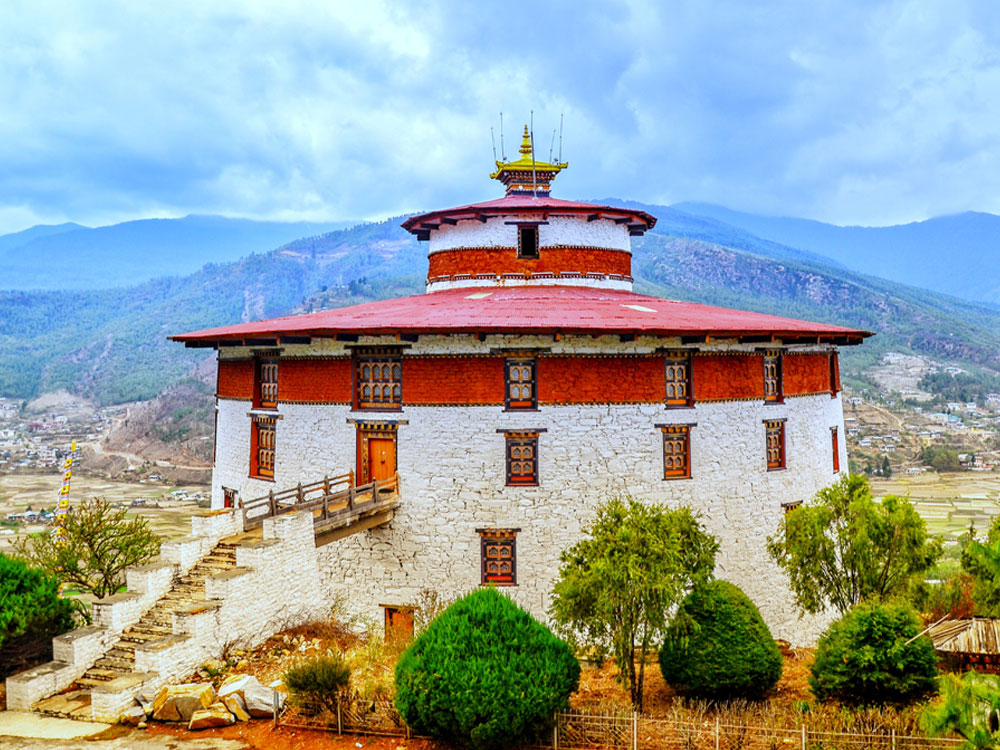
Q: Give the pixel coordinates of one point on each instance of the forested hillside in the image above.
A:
(111, 345)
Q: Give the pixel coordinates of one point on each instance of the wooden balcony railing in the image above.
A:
(333, 501)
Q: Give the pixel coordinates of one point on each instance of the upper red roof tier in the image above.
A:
(420, 225)
(528, 309)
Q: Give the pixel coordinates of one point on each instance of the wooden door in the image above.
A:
(381, 458)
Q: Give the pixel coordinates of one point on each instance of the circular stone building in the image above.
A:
(528, 385)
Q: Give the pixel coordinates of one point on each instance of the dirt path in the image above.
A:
(119, 738)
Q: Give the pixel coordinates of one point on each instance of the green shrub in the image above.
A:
(718, 646)
(317, 681)
(484, 674)
(867, 657)
(31, 614)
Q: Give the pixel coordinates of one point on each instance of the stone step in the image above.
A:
(102, 673)
(122, 651)
(91, 682)
(155, 631)
(134, 637)
(115, 665)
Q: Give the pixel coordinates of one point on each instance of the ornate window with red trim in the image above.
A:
(520, 384)
(379, 377)
(678, 376)
(676, 451)
(522, 458)
(498, 556)
(265, 381)
(262, 445)
(775, 441)
(772, 377)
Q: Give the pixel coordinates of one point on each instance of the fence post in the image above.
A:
(275, 708)
(635, 730)
(893, 738)
(274, 505)
(716, 733)
(339, 728)
(803, 736)
(555, 731)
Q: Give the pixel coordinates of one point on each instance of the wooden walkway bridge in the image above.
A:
(339, 508)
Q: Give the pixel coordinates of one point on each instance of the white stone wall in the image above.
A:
(451, 463)
(560, 231)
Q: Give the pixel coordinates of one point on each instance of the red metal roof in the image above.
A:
(530, 309)
(514, 204)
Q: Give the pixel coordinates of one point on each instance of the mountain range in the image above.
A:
(110, 344)
(70, 256)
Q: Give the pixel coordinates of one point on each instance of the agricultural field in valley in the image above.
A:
(948, 502)
(41, 491)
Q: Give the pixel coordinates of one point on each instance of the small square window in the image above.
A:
(522, 459)
(520, 386)
(676, 451)
(498, 556)
(775, 435)
(262, 444)
(527, 241)
(772, 378)
(678, 375)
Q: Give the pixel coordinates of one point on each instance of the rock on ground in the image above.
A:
(179, 702)
(216, 715)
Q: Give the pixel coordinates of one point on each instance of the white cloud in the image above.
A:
(848, 112)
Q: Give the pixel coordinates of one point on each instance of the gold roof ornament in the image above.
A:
(527, 175)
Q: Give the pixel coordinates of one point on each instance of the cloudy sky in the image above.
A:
(851, 112)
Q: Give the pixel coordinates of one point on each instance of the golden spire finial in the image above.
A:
(526, 148)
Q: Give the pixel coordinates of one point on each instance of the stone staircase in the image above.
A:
(221, 585)
(157, 622)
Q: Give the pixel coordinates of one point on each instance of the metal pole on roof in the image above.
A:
(560, 137)
(502, 154)
(534, 181)
(494, 139)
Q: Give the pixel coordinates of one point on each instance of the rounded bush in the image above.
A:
(31, 614)
(484, 673)
(718, 646)
(865, 658)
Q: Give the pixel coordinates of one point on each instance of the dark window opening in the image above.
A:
(527, 241)
(836, 449)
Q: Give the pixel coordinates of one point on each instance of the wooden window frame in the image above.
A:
(391, 358)
(511, 404)
(532, 252)
(835, 440)
(778, 394)
(774, 427)
(789, 507)
(265, 381)
(674, 434)
(513, 440)
(498, 539)
(258, 468)
(672, 361)
(834, 370)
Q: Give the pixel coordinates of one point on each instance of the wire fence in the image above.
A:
(583, 730)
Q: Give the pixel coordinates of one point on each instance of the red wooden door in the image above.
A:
(381, 458)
